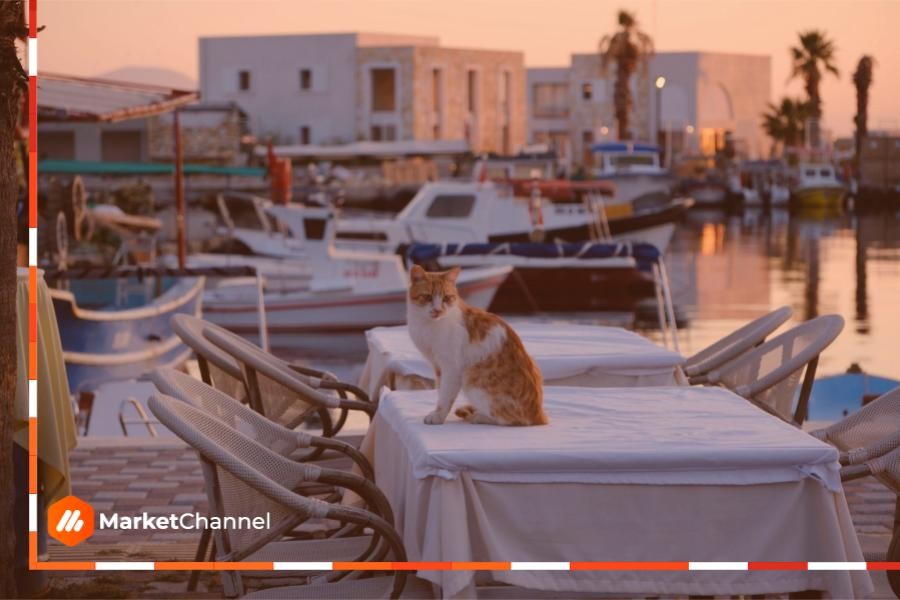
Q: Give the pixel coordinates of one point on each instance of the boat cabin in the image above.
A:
(816, 174)
(611, 158)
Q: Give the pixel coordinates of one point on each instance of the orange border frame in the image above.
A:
(36, 565)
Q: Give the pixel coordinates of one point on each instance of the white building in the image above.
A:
(341, 88)
(706, 98)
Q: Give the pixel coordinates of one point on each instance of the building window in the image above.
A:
(472, 90)
(383, 92)
(436, 91)
(587, 90)
(306, 79)
(244, 80)
(455, 206)
(383, 133)
(505, 91)
(550, 100)
(305, 137)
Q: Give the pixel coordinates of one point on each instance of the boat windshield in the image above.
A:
(630, 160)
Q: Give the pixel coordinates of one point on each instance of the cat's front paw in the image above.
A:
(435, 418)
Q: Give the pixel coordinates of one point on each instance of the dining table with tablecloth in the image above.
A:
(619, 474)
(566, 354)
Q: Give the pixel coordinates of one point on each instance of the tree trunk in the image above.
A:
(10, 19)
(622, 101)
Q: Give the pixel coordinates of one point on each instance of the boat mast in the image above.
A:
(179, 194)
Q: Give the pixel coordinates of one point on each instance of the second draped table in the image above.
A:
(566, 354)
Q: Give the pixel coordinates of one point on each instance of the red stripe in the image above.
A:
(883, 566)
(324, 328)
(32, 113)
(32, 18)
(777, 566)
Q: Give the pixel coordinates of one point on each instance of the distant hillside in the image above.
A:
(151, 75)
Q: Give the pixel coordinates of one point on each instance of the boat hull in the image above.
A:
(109, 345)
(304, 314)
(568, 289)
(819, 197)
(653, 227)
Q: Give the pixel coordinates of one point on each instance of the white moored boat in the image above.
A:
(500, 212)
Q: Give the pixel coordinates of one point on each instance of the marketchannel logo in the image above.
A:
(70, 520)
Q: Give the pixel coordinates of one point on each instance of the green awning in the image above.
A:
(88, 167)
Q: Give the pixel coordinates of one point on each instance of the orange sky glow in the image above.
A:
(90, 37)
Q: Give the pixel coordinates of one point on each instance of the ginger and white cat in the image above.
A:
(473, 351)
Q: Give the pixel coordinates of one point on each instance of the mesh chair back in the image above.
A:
(876, 421)
(243, 477)
(769, 374)
(282, 394)
(736, 343)
(239, 416)
(217, 368)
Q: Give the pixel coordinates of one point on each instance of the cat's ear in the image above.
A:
(452, 274)
(416, 274)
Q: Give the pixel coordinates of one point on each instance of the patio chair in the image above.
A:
(221, 371)
(291, 444)
(733, 345)
(885, 468)
(768, 375)
(246, 479)
(277, 390)
(868, 433)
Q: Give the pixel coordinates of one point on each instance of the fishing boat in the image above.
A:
(516, 211)
(586, 276)
(634, 167)
(818, 188)
(116, 329)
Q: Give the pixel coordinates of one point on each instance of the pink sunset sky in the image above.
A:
(93, 37)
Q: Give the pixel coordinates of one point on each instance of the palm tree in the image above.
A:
(629, 48)
(785, 122)
(814, 54)
(12, 81)
(862, 79)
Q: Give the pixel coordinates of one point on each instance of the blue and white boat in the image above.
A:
(116, 329)
(836, 396)
(636, 170)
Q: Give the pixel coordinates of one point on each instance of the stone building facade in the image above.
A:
(443, 94)
(328, 89)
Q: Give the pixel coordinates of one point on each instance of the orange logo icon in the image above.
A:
(70, 520)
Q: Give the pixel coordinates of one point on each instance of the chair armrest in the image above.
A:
(344, 448)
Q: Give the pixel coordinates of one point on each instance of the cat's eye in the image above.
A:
(450, 298)
(424, 297)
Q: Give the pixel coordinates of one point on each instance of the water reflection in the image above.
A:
(727, 269)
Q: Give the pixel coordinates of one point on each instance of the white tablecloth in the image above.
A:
(692, 474)
(566, 354)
